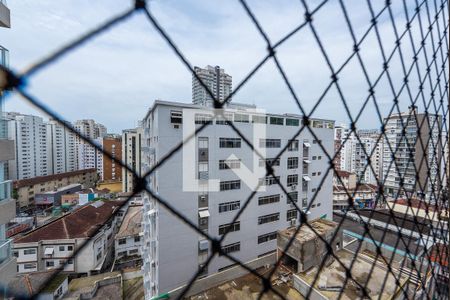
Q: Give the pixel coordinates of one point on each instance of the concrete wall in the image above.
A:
(178, 244)
(303, 287)
(218, 278)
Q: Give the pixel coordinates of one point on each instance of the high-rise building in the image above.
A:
(368, 144)
(218, 82)
(131, 153)
(89, 129)
(355, 150)
(61, 142)
(7, 203)
(31, 146)
(172, 250)
(111, 168)
(412, 154)
(107, 169)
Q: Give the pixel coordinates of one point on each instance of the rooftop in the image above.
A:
(64, 188)
(321, 226)
(80, 223)
(86, 285)
(363, 187)
(42, 179)
(131, 224)
(332, 278)
(342, 173)
(28, 285)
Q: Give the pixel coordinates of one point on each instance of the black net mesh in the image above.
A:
(413, 66)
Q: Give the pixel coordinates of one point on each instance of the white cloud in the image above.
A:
(116, 76)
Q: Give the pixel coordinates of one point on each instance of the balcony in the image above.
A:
(5, 190)
(5, 250)
(5, 20)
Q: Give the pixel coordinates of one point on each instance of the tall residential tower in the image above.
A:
(218, 82)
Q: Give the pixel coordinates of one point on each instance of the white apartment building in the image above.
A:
(7, 203)
(215, 78)
(172, 251)
(61, 143)
(90, 129)
(53, 244)
(89, 157)
(417, 149)
(131, 156)
(354, 153)
(32, 152)
(369, 145)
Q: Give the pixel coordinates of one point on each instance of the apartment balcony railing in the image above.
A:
(5, 250)
(5, 190)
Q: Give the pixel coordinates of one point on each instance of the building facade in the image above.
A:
(131, 154)
(62, 147)
(128, 240)
(32, 152)
(89, 129)
(26, 189)
(7, 203)
(413, 140)
(172, 251)
(218, 82)
(53, 245)
(111, 169)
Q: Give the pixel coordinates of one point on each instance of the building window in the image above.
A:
(230, 143)
(231, 248)
(292, 122)
(292, 162)
(293, 196)
(49, 264)
(229, 206)
(29, 266)
(203, 119)
(293, 145)
(230, 185)
(269, 180)
(270, 161)
(229, 164)
(122, 241)
(269, 143)
(259, 119)
(122, 253)
(241, 118)
(291, 214)
(29, 251)
(203, 143)
(62, 248)
(267, 237)
(292, 180)
(276, 121)
(268, 218)
(176, 117)
(224, 121)
(137, 239)
(236, 226)
(268, 199)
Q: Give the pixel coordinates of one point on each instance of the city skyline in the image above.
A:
(141, 51)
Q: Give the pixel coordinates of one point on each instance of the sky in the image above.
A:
(115, 77)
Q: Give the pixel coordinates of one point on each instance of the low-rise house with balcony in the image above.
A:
(128, 241)
(53, 245)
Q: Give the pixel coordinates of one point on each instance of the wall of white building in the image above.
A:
(174, 247)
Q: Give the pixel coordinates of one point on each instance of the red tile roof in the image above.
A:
(439, 254)
(81, 223)
(342, 173)
(42, 179)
